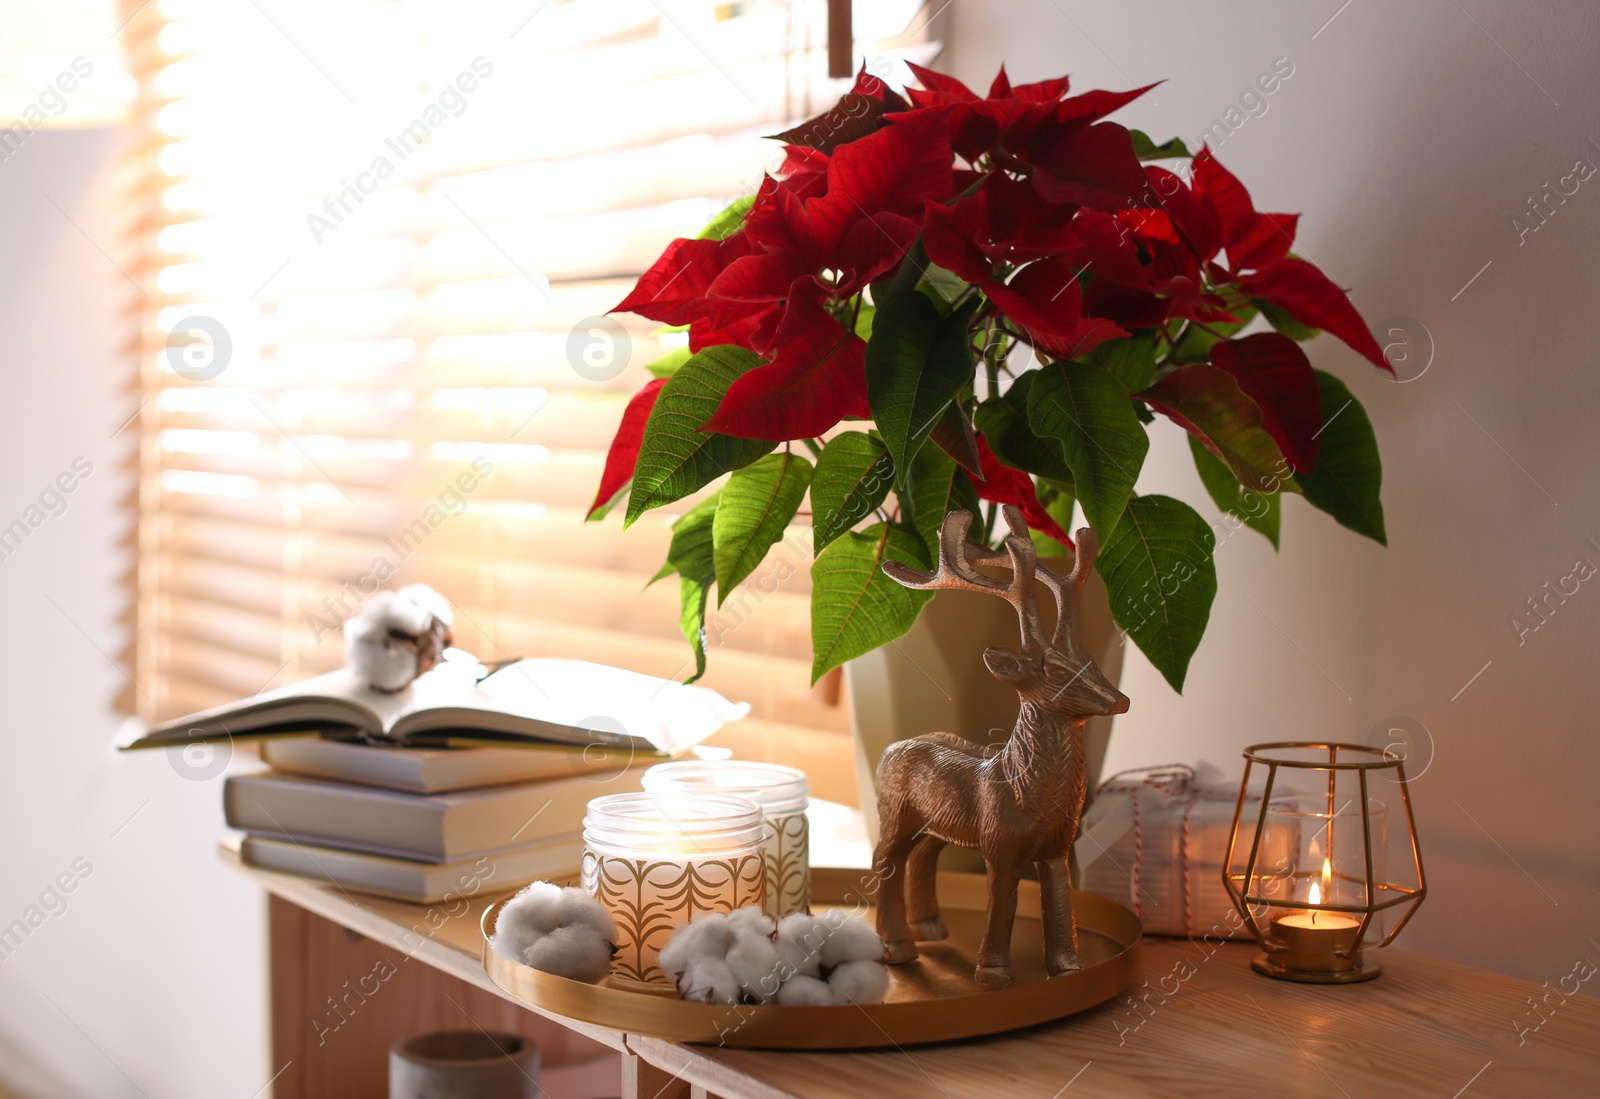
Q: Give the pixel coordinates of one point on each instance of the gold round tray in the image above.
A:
(933, 999)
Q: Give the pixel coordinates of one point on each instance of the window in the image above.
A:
(378, 240)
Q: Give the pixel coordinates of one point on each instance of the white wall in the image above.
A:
(151, 977)
(1409, 137)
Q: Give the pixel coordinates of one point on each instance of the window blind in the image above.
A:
(377, 241)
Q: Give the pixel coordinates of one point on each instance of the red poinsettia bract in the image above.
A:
(1030, 198)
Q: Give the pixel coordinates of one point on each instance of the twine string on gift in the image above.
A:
(1187, 865)
(1175, 780)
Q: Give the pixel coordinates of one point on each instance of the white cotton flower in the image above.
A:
(427, 601)
(803, 991)
(803, 960)
(708, 981)
(724, 958)
(752, 921)
(849, 939)
(576, 952)
(575, 908)
(705, 936)
(527, 917)
(753, 960)
(800, 939)
(556, 930)
(865, 981)
(397, 636)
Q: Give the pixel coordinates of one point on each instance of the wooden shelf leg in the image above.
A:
(642, 1080)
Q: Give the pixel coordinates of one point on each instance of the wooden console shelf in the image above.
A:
(1200, 1023)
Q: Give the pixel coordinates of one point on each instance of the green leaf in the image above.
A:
(691, 556)
(1132, 361)
(670, 363)
(602, 510)
(682, 553)
(917, 362)
(1004, 423)
(1349, 474)
(944, 286)
(953, 434)
(758, 503)
(675, 456)
(1284, 323)
(1146, 149)
(853, 476)
(864, 320)
(730, 221)
(937, 487)
(1206, 401)
(854, 606)
(1161, 579)
(1260, 511)
(1088, 412)
(1059, 503)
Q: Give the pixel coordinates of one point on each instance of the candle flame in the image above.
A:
(1318, 892)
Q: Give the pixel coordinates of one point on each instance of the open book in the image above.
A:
(531, 703)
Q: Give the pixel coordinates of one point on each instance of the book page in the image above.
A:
(556, 696)
(556, 701)
(335, 698)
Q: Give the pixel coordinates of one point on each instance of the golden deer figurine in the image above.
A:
(1018, 803)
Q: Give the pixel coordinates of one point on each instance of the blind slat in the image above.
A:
(411, 373)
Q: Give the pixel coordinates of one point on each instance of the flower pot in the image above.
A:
(933, 679)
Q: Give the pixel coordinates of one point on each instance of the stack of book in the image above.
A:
(420, 824)
(469, 778)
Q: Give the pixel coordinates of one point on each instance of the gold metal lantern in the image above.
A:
(1311, 875)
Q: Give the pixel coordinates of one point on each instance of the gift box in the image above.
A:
(1155, 839)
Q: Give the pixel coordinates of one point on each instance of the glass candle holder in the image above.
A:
(1310, 874)
(659, 860)
(1303, 835)
(783, 795)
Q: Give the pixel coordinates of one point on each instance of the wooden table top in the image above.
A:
(1202, 1023)
(1199, 1023)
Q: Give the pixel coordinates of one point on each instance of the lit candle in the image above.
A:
(659, 860)
(783, 796)
(1318, 940)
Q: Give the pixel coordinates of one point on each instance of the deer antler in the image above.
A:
(957, 555)
(1068, 590)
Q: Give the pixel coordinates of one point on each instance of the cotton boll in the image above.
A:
(752, 921)
(708, 981)
(376, 658)
(575, 908)
(860, 982)
(753, 960)
(527, 917)
(397, 636)
(803, 991)
(577, 952)
(849, 939)
(556, 930)
(800, 939)
(708, 936)
(537, 904)
(428, 602)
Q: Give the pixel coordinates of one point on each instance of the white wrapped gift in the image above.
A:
(1155, 840)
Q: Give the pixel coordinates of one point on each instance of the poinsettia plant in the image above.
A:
(953, 301)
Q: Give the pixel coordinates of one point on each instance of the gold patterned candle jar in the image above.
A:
(659, 860)
(782, 793)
